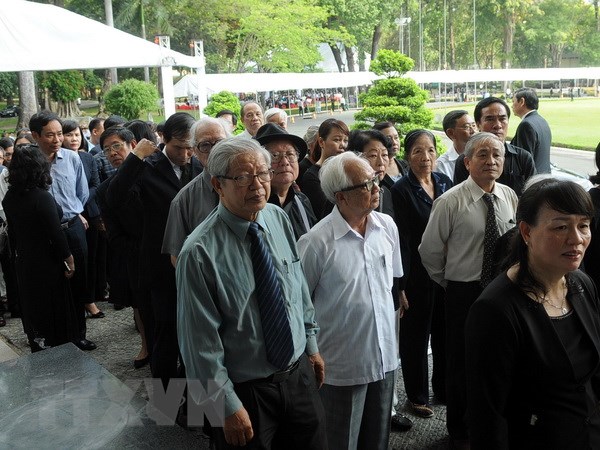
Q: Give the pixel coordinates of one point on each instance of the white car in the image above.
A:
(565, 174)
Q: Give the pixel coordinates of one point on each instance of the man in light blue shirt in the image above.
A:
(220, 322)
(351, 258)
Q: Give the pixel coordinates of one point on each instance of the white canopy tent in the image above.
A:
(262, 82)
(38, 36)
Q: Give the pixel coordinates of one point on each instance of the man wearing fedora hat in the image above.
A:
(286, 150)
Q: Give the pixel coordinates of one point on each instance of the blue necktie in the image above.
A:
(275, 324)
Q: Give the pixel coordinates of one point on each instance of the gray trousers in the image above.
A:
(358, 417)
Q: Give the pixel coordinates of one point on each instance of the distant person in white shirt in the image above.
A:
(459, 126)
(351, 258)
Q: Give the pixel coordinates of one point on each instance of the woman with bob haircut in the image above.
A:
(533, 335)
(43, 260)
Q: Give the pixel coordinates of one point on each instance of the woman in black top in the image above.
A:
(333, 140)
(43, 260)
(533, 336)
(413, 197)
(591, 260)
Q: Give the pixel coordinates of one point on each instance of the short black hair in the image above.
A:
(113, 120)
(178, 126)
(487, 102)
(121, 132)
(359, 139)
(95, 123)
(6, 143)
(531, 98)
(452, 117)
(141, 130)
(41, 119)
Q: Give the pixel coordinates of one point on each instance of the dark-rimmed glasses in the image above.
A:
(206, 146)
(368, 185)
(247, 180)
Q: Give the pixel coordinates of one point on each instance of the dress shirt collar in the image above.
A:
(451, 153)
(175, 167)
(60, 154)
(477, 192)
(238, 225)
(341, 228)
(527, 113)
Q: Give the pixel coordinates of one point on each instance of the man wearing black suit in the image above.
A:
(155, 177)
(533, 133)
(491, 115)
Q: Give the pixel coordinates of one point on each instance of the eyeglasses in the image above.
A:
(206, 146)
(113, 147)
(247, 180)
(368, 186)
(291, 157)
(468, 126)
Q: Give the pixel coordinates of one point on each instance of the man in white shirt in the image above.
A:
(350, 259)
(453, 250)
(459, 126)
(252, 118)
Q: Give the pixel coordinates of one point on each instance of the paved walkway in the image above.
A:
(118, 343)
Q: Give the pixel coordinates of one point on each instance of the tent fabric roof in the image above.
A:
(261, 82)
(38, 36)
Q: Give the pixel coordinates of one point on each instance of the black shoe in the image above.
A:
(2, 321)
(98, 315)
(84, 344)
(401, 423)
(118, 307)
(139, 363)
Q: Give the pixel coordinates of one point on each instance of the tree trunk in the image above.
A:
(27, 98)
(509, 34)
(336, 55)
(350, 57)
(452, 38)
(375, 41)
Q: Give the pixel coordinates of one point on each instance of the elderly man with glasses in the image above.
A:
(196, 200)
(246, 324)
(350, 259)
(286, 150)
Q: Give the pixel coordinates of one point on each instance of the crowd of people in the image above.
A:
(288, 279)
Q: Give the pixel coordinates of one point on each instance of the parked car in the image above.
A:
(11, 111)
(564, 174)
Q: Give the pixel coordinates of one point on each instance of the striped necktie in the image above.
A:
(490, 237)
(275, 324)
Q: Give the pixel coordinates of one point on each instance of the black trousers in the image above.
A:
(78, 245)
(165, 350)
(423, 318)
(285, 415)
(459, 298)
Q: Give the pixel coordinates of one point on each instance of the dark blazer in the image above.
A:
(311, 187)
(518, 167)
(90, 168)
(155, 184)
(591, 260)
(522, 391)
(534, 135)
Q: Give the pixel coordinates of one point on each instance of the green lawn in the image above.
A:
(574, 124)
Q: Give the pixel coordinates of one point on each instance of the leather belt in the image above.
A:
(69, 223)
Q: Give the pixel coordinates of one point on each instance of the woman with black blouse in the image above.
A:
(413, 196)
(43, 260)
(533, 335)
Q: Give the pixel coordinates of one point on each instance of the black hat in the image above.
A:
(270, 132)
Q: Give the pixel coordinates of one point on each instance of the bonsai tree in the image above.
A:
(394, 98)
